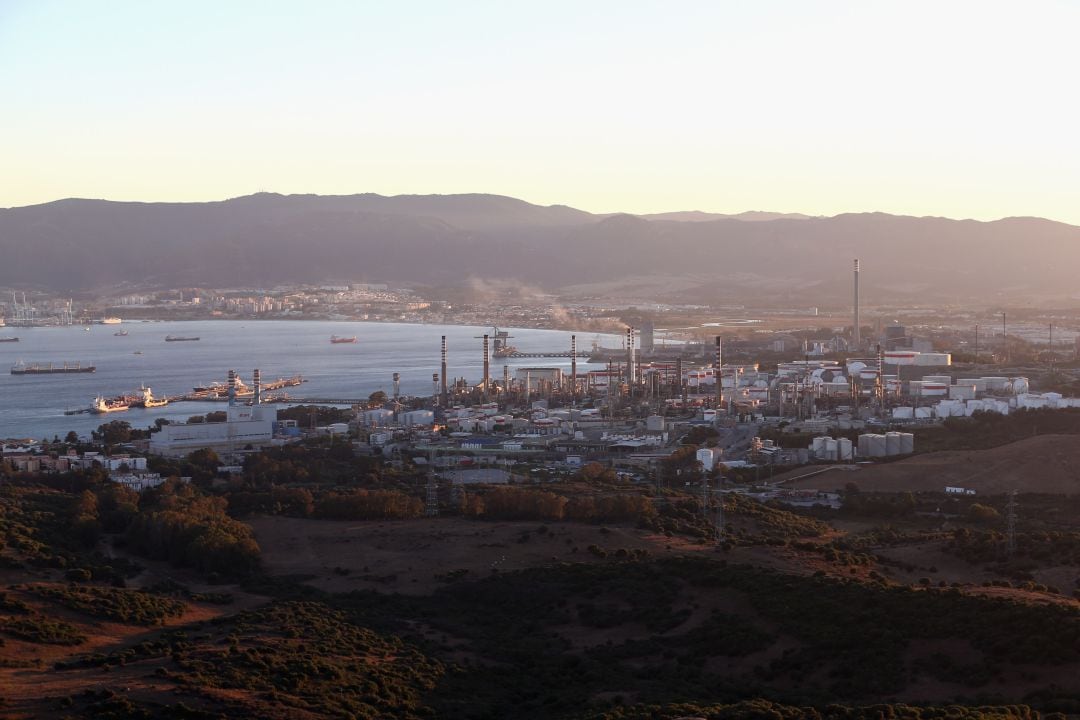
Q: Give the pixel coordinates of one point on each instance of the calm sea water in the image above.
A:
(33, 405)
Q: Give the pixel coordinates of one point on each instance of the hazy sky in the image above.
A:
(963, 109)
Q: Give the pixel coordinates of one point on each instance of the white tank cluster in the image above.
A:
(891, 443)
(831, 449)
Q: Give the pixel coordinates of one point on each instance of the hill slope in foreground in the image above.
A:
(456, 617)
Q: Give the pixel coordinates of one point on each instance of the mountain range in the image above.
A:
(450, 240)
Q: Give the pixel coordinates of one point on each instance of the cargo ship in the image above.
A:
(339, 340)
(179, 338)
(149, 401)
(9, 338)
(21, 368)
(102, 406)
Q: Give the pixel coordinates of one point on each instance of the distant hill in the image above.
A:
(447, 240)
(698, 216)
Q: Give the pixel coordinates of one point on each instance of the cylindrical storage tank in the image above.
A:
(907, 443)
(996, 384)
(817, 446)
(709, 415)
(933, 359)
(946, 379)
(1019, 385)
(903, 413)
(706, 458)
(979, 383)
(830, 449)
(892, 443)
(877, 446)
(934, 389)
(843, 449)
(900, 357)
(961, 392)
(864, 445)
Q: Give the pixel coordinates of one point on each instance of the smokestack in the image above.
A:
(232, 387)
(573, 366)
(506, 379)
(256, 380)
(856, 335)
(397, 386)
(487, 367)
(630, 359)
(717, 369)
(443, 375)
(434, 389)
(678, 375)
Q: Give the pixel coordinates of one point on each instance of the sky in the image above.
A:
(951, 108)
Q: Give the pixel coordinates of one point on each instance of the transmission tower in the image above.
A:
(431, 507)
(1010, 519)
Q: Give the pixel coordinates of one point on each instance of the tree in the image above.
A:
(115, 432)
(377, 398)
(72, 437)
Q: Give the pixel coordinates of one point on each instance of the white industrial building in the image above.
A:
(246, 428)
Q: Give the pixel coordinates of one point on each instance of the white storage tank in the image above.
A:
(933, 359)
(817, 447)
(707, 459)
(907, 443)
(903, 413)
(864, 445)
(892, 443)
(830, 449)
(933, 389)
(878, 448)
(996, 384)
(946, 379)
(961, 392)
(1019, 385)
(979, 383)
(843, 447)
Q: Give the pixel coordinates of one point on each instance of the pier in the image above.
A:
(516, 355)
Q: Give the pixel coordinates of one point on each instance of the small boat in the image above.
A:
(9, 338)
(87, 328)
(137, 352)
(340, 340)
(122, 333)
(179, 338)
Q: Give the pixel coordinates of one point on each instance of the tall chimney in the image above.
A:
(487, 367)
(678, 375)
(718, 371)
(856, 335)
(232, 387)
(506, 378)
(442, 377)
(630, 359)
(397, 386)
(256, 380)
(573, 366)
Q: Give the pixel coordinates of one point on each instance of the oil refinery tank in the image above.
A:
(907, 443)
(892, 443)
(843, 449)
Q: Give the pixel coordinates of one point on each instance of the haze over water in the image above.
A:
(32, 406)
